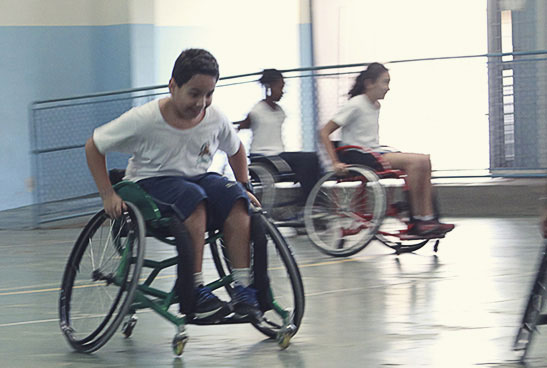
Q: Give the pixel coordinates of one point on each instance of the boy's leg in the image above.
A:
(185, 265)
(228, 209)
(196, 224)
(237, 232)
(186, 201)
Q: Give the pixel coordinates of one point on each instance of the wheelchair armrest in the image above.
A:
(132, 192)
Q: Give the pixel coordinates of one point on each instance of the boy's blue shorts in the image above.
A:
(181, 195)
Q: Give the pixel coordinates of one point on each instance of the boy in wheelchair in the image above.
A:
(172, 141)
(358, 120)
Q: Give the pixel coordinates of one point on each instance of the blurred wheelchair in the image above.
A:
(104, 284)
(534, 314)
(344, 213)
(273, 182)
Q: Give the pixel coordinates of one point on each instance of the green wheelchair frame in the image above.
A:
(102, 285)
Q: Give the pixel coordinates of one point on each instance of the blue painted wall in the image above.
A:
(41, 63)
(56, 61)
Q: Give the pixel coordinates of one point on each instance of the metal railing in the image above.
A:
(59, 128)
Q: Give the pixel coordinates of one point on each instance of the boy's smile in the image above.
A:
(194, 96)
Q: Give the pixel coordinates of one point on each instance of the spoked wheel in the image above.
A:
(100, 278)
(286, 292)
(343, 213)
(263, 183)
(535, 304)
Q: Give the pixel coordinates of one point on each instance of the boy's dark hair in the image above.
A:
(194, 61)
(372, 72)
(269, 76)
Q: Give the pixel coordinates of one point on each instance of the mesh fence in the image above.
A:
(518, 115)
(64, 186)
(465, 111)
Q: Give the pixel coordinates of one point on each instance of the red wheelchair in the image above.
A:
(344, 213)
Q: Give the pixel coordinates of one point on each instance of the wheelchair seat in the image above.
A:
(356, 155)
(157, 225)
(278, 167)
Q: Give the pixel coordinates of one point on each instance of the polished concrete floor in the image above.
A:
(459, 307)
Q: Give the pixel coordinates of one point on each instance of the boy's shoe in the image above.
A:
(424, 228)
(245, 302)
(208, 306)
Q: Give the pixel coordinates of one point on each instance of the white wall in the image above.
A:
(436, 107)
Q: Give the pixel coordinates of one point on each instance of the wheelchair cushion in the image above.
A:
(358, 157)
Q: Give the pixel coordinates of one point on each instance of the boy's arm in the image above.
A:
(113, 204)
(238, 163)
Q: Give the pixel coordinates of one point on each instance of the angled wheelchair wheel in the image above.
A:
(286, 291)
(343, 213)
(532, 314)
(263, 183)
(100, 278)
(286, 287)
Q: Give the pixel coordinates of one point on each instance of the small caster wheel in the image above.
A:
(285, 334)
(179, 341)
(436, 246)
(129, 325)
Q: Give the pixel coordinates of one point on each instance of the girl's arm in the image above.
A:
(243, 124)
(324, 134)
(113, 204)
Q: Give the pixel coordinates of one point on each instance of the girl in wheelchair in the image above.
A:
(358, 120)
(172, 141)
(265, 120)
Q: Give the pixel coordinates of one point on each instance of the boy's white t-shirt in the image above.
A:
(266, 124)
(358, 119)
(158, 149)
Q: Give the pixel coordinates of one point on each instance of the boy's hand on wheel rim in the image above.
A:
(253, 199)
(114, 205)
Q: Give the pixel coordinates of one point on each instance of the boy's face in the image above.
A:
(194, 96)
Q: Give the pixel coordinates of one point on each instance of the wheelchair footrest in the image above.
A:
(420, 237)
(224, 321)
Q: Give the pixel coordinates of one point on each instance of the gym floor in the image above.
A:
(459, 307)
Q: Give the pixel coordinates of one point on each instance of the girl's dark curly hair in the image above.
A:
(269, 76)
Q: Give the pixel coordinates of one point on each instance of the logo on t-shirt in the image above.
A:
(205, 155)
